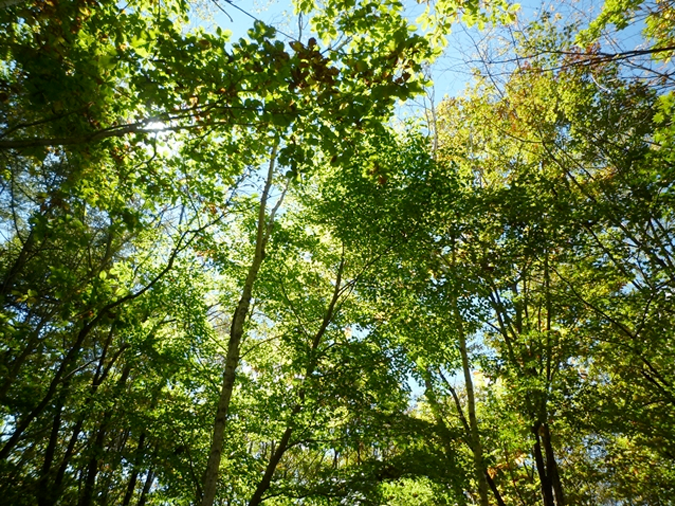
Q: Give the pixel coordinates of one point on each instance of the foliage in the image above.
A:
(226, 277)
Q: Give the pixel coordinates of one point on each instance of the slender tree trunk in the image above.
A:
(476, 446)
(92, 467)
(98, 449)
(277, 454)
(480, 468)
(17, 266)
(236, 333)
(495, 490)
(70, 450)
(60, 475)
(552, 466)
(118, 131)
(99, 377)
(146, 488)
(544, 480)
(444, 432)
(266, 480)
(15, 366)
(49, 493)
(44, 490)
(465, 424)
(131, 486)
(69, 360)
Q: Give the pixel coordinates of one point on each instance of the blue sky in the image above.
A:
(279, 13)
(452, 72)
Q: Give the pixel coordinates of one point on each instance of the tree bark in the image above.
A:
(99, 378)
(92, 467)
(495, 490)
(552, 466)
(233, 346)
(546, 490)
(476, 446)
(44, 491)
(146, 488)
(69, 360)
(118, 131)
(17, 266)
(277, 454)
(131, 486)
(32, 344)
(467, 428)
(98, 449)
(266, 480)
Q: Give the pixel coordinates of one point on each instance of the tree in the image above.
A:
(548, 234)
(227, 278)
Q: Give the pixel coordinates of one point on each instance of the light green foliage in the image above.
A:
(564, 185)
(131, 148)
(408, 492)
(657, 17)
(440, 16)
(531, 252)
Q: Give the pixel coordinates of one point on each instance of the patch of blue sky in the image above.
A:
(470, 51)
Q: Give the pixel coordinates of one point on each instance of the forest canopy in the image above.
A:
(238, 270)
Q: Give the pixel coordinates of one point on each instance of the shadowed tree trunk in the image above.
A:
(277, 454)
(98, 447)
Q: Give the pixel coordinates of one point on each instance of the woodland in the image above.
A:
(233, 272)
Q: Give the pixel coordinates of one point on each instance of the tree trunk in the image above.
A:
(15, 366)
(98, 449)
(99, 378)
(552, 466)
(131, 486)
(266, 480)
(236, 333)
(146, 489)
(277, 454)
(17, 266)
(444, 432)
(544, 480)
(476, 446)
(92, 467)
(69, 360)
(44, 490)
(495, 490)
